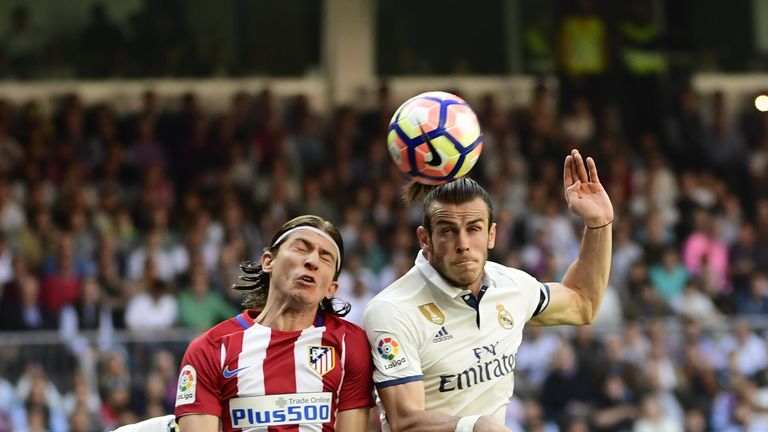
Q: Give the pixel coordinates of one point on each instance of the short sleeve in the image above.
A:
(543, 299)
(537, 291)
(357, 389)
(394, 347)
(198, 390)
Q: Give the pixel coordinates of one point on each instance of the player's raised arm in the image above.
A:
(577, 298)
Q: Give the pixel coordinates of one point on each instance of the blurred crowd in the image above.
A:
(138, 222)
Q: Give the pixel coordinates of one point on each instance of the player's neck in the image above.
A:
(475, 288)
(283, 318)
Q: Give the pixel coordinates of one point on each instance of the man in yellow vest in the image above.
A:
(583, 57)
(643, 67)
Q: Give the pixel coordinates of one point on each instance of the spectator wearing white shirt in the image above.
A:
(153, 309)
(169, 258)
(359, 285)
(536, 353)
(12, 216)
(652, 418)
(749, 350)
(694, 304)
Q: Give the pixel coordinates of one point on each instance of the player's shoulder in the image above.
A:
(409, 286)
(336, 324)
(397, 303)
(505, 276)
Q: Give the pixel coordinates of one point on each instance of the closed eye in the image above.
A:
(326, 257)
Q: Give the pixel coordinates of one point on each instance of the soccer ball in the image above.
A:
(434, 138)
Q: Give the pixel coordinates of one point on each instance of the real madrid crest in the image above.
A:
(432, 313)
(504, 317)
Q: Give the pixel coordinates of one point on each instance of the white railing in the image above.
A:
(215, 94)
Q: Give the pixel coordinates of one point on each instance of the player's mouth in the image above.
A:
(306, 279)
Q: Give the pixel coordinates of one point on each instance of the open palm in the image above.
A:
(585, 195)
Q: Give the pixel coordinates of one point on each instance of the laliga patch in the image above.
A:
(186, 390)
(389, 350)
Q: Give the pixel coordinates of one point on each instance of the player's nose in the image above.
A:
(462, 242)
(312, 260)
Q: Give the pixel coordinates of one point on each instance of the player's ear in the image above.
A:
(423, 236)
(267, 260)
(492, 236)
(332, 289)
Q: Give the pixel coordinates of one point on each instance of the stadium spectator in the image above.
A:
(566, 387)
(583, 56)
(652, 418)
(669, 276)
(23, 44)
(155, 308)
(615, 407)
(162, 251)
(88, 313)
(747, 350)
(104, 43)
(359, 286)
(82, 400)
(12, 216)
(695, 304)
(199, 306)
(536, 353)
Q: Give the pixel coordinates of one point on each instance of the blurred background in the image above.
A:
(147, 147)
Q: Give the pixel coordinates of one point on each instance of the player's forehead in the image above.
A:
(314, 239)
(459, 213)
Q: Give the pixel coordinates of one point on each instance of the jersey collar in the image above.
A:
(435, 279)
(247, 321)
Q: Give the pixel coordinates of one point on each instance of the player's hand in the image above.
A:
(584, 193)
(489, 424)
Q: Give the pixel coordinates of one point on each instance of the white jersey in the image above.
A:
(422, 328)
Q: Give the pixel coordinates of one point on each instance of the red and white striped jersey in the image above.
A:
(260, 379)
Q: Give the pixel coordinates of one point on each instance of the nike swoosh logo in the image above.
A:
(229, 374)
(436, 160)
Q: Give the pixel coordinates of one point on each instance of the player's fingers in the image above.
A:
(592, 170)
(574, 169)
(580, 167)
(568, 171)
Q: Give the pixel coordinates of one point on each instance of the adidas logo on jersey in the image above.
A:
(442, 335)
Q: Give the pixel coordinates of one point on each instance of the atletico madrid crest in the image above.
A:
(322, 359)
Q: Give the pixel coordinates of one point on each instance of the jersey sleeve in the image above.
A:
(539, 294)
(357, 388)
(198, 390)
(543, 299)
(394, 347)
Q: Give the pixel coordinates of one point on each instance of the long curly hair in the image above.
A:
(255, 281)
